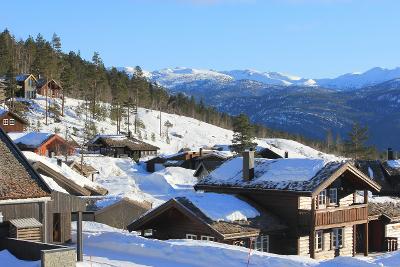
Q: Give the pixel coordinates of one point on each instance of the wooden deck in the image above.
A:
(328, 218)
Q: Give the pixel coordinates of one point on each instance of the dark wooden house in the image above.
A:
(206, 167)
(212, 217)
(184, 159)
(51, 88)
(316, 199)
(44, 144)
(121, 146)
(11, 122)
(30, 209)
(26, 86)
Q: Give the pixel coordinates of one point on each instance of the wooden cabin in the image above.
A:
(316, 199)
(205, 168)
(213, 217)
(384, 226)
(26, 86)
(44, 144)
(184, 159)
(118, 214)
(51, 88)
(83, 169)
(29, 207)
(121, 146)
(11, 122)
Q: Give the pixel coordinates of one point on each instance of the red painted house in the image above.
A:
(44, 144)
(11, 122)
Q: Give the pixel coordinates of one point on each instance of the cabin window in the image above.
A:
(261, 243)
(319, 240)
(148, 232)
(322, 199)
(5, 121)
(207, 238)
(12, 122)
(190, 236)
(333, 196)
(337, 238)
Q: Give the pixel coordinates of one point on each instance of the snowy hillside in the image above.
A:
(173, 77)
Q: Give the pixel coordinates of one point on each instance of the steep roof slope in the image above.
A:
(18, 180)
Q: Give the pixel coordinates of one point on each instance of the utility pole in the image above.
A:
(47, 89)
(137, 103)
(160, 120)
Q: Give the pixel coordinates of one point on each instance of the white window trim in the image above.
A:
(5, 122)
(191, 236)
(207, 238)
(335, 231)
(11, 122)
(334, 189)
(148, 232)
(316, 240)
(323, 199)
(262, 240)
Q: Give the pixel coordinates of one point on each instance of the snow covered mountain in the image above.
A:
(178, 76)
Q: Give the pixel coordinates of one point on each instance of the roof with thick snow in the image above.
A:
(31, 139)
(296, 175)
(392, 167)
(18, 180)
(225, 214)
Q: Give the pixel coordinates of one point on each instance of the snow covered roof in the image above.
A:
(222, 207)
(65, 171)
(227, 215)
(31, 139)
(392, 167)
(297, 175)
(3, 111)
(52, 184)
(23, 77)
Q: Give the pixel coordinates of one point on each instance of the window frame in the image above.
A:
(336, 202)
(207, 238)
(11, 122)
(319, 235)
(261, 243)
(322, 198)
(335, 240)
(148, 232)
(5, 122)
(191, 237)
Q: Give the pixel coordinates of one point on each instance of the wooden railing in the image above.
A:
(391, 244)
(339, 215)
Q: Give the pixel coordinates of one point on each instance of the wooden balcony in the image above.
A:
(326, 218)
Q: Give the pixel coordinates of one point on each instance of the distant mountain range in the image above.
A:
(298, 105)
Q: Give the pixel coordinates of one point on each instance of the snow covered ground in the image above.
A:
(107, 246)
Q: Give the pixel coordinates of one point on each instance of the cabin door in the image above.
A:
(57, 227)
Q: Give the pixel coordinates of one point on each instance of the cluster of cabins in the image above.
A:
(266, 201)
(308, 207)
(28, 86)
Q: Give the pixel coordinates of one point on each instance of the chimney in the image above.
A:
(129, 134)
(201, 151)
(59, 162)
(286, 154)
(248, 165)
(390, 154)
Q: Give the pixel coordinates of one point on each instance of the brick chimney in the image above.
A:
(286, 154)
(59, 162)
(248, 165)
(390, 154)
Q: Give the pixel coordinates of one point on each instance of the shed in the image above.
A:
(26, 229)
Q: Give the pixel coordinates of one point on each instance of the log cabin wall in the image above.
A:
(327, 251)
(17, 126)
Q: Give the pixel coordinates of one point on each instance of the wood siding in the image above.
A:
(17, 127)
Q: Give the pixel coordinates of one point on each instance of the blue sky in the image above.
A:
(310, 38)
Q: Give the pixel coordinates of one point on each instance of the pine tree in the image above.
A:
(356, 144)
(329, 140)
(243, 135)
